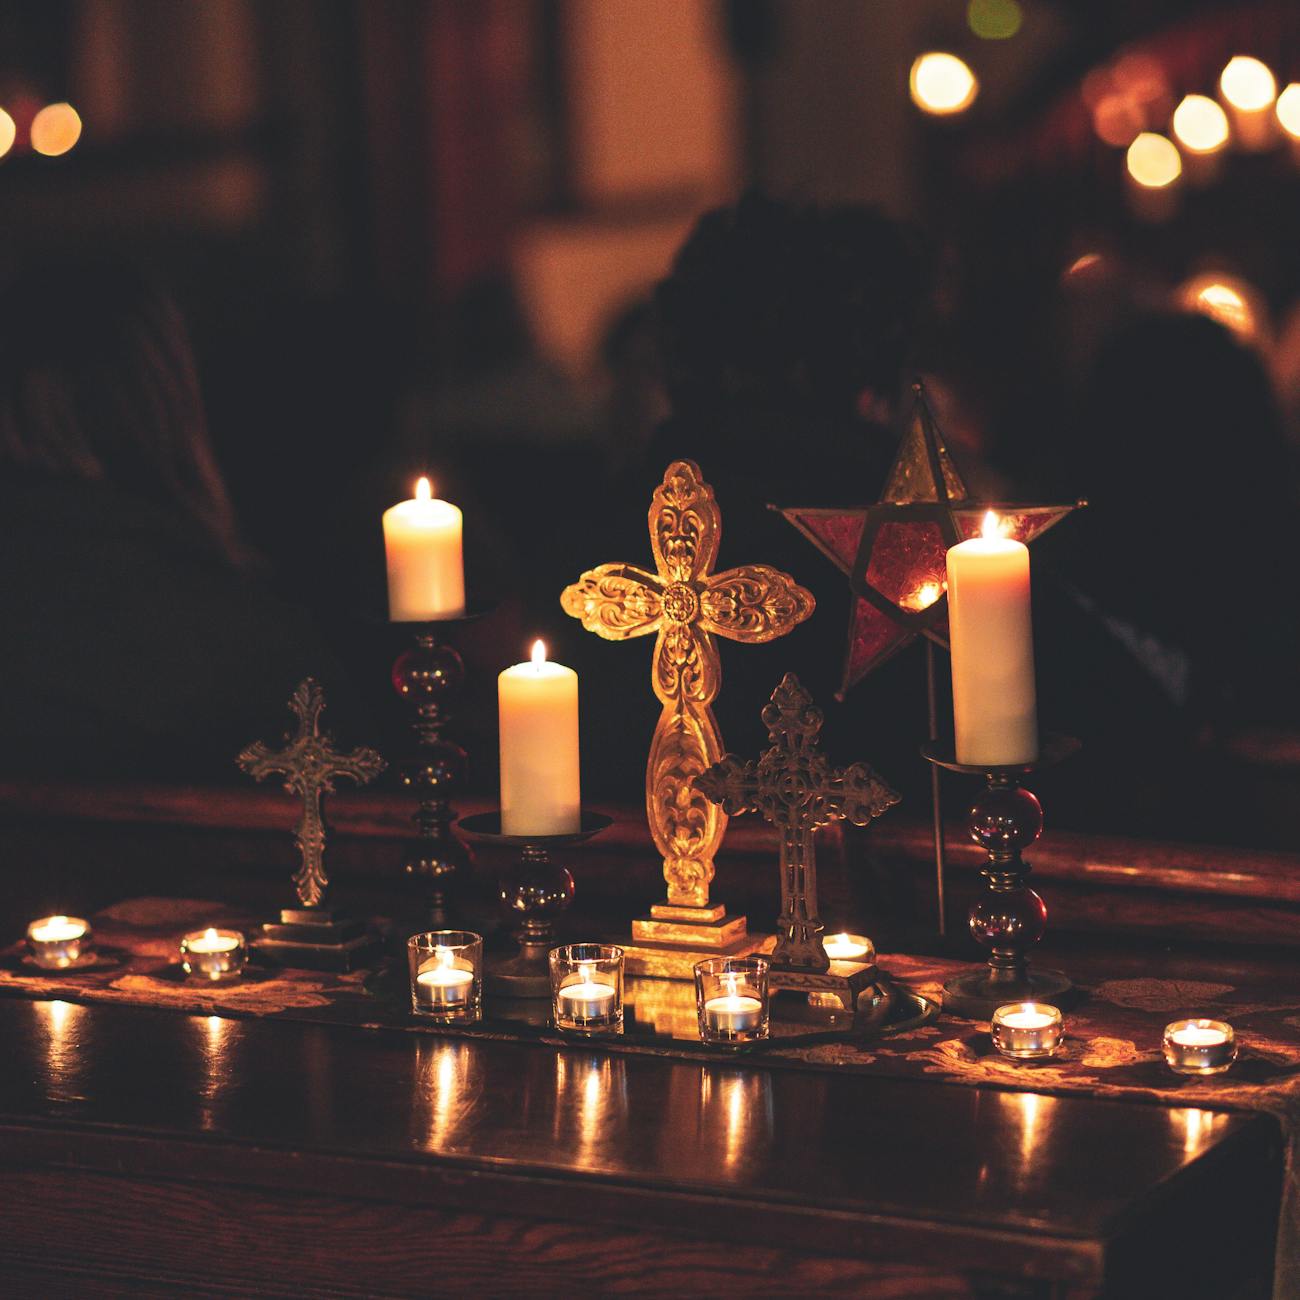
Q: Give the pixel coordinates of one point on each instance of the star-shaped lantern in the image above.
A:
(894, 552)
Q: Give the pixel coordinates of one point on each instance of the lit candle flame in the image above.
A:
(423, 489)
(729, 982)
(839, 938)
(991, 528)
(210, 934)
(445, 957)
(539, 652)
(584, 971)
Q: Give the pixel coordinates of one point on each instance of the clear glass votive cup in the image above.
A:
(446, 975)
(213, 954)
(1027, 1031)
(56, 942)
(731, 1000)
(587, 988)
(1199, 1046)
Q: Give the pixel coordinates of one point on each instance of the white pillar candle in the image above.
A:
(994, 709)
(540, 787)
(426, 574)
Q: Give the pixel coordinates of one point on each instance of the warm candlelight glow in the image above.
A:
(1199, 1036)
(942, 83)
(57, 929)
(1153, 161)
(445, 957)
(846, 947)
(1247, 84)
(423, 489)
(1200, 124)
(992, 527)
(539, 652)
(1027, 1019)
(55, 129)
(1288, 110)
(8, 133)
(923, 597)
(1224, 299)
(584, 973)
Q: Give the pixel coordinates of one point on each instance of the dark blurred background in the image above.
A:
(422, 236)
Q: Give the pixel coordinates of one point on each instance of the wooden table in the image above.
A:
(149, 1152)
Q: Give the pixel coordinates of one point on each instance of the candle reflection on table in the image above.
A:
(734, 1122)
(216, 1035)
(590, 1104)
(445, 1093)
(65, 1024)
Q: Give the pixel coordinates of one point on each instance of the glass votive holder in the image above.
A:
(213, 954)
(1199, 1046)
(587, 988)
(731, 1000)
(1026, 1031)
(56, 942)
(446, 975)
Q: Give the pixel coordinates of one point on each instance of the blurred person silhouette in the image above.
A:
(140, 638)
(784, 335)
(1178, 624)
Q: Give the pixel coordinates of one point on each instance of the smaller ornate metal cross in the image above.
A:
(795, 788)
(309, 764)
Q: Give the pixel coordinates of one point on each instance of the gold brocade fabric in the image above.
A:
(1111, 1048)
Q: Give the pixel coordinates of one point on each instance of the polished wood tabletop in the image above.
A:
(99, 1102)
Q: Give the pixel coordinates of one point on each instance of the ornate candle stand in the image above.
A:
(1010, 916)
(534, 893)
(429, 676)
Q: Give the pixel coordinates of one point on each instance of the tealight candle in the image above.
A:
(213, 954)
(848, 947)
(731, 999)
(1199, 1046)
(446, 974)
(55, 942)
(587, 987)
(1026, 1031)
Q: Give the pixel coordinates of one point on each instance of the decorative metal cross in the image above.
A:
(795, 788)
(687, 605)
(309, 764)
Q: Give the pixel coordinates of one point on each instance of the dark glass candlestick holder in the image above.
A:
(1009, 917)
(534, 893)
(428, 676)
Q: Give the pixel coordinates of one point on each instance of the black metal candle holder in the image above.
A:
(1009, 917)
(534, 893)
(428, 676)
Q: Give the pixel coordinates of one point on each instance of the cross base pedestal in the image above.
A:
(839, 985)
(676, 961)
(316, 938)
(690, 927)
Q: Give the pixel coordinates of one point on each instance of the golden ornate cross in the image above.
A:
(796, 790)
(687, 605)
(309, 763)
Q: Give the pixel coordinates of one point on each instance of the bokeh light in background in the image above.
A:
(55, 129)
(1288, 110)
(1153, 161)
(1246, 83)
(994, 20)
(1200, 124)
(942, 83)
(8, 133)
(1226, 299)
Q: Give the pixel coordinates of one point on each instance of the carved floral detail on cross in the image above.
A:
(686, 605)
